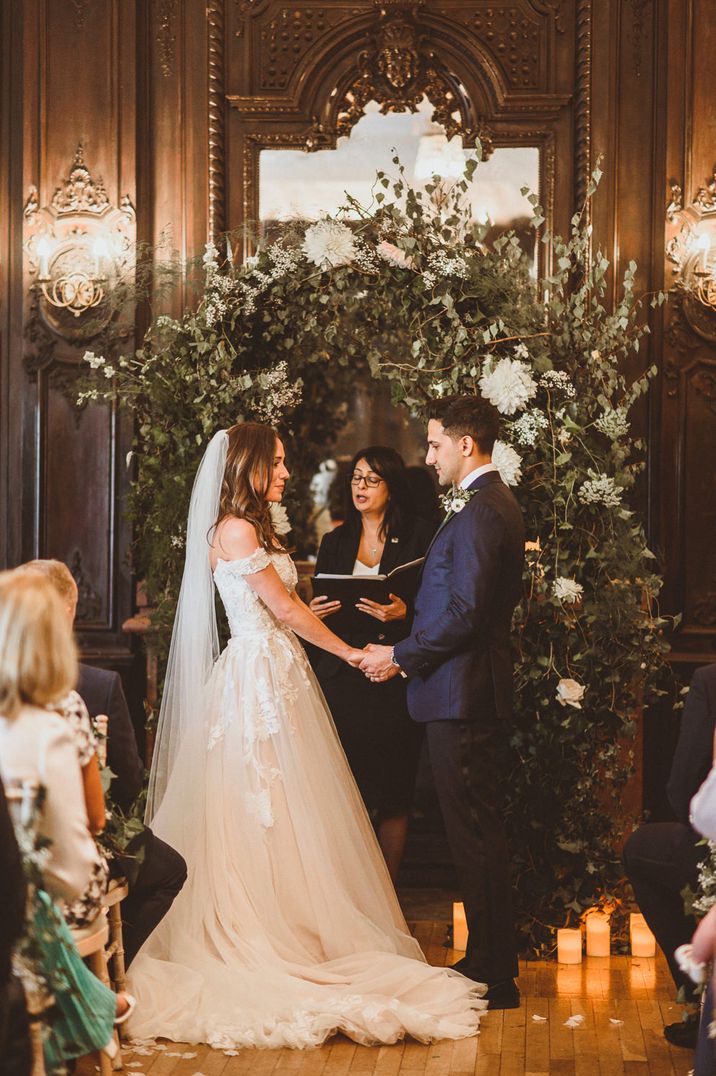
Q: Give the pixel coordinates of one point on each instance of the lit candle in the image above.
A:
(459, 927)
(643, 942)
(598, 934)
(569, 946)
(43, 248)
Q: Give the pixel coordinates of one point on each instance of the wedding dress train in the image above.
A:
(288, 928)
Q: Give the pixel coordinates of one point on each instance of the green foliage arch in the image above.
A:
(406, 291)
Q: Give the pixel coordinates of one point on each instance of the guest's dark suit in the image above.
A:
(161, 871)
(459, 666)
(381, 742)
(662, 858)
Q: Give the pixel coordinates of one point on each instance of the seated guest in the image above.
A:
(15, 1049)
(38, 761)
(161, 871)
(381, 741)
(703, 946)
(662, 858)
(158, 873)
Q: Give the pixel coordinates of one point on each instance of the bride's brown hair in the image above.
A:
(248, 471)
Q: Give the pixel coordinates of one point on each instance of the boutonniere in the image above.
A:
(456, 499)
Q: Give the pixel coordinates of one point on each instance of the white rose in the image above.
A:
(570, 693)
(508, 463)
(457, 505)
(329, 244)
(394, 255)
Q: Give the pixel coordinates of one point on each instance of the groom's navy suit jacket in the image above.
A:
(458, 657)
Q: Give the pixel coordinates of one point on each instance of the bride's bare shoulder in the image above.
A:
(233, 539)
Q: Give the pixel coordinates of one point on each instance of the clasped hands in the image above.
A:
(375, 661)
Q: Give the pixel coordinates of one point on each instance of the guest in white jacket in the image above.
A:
(36, 745)
(38, 666)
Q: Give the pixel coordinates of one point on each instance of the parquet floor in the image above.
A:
(624, 1001)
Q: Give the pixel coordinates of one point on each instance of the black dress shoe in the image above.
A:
(503, 995)
(684, 1033)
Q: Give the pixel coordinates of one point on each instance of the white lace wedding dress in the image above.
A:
(288, 928)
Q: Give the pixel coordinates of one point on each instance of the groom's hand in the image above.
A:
(377, 664)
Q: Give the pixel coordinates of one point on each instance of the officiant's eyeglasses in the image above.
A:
(370, 480)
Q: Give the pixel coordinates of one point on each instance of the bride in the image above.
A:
(288, 928)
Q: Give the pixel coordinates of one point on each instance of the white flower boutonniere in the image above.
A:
(455, 500)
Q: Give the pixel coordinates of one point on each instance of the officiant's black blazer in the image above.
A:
(337, 556)
(458, 657)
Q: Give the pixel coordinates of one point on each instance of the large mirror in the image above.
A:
(294, 184)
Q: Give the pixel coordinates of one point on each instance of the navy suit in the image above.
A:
(458, 660)
(156, 877)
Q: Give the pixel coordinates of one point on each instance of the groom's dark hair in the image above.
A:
(467, 416)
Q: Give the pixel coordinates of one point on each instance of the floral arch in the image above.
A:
(407, 291)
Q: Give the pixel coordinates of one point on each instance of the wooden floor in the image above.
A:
(624, 1003)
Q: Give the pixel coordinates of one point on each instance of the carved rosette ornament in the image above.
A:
(398, 70)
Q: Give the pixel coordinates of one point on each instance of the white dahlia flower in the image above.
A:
(508, 385)
(279, 519)
(567, 590)
(329, 244)
(508, 463)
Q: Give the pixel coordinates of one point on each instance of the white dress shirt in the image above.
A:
(470, 478)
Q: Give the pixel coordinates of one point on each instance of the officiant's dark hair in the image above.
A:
(467, 416)
(390, 465)
(248, 472)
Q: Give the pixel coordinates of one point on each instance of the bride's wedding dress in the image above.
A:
(288, 928)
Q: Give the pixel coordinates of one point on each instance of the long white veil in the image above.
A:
(195, 641)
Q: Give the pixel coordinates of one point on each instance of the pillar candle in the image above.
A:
(643, 942)
(459, 927)
(598, 934)
(569, 946)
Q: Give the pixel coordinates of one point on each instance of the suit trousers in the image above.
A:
(661, 858)
(161, 874)
(468, 770)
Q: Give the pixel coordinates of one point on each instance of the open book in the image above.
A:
(347, 589)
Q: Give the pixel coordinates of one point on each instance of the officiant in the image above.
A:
(382, 743)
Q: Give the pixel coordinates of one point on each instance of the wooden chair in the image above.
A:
(91, 942)
(114, 952)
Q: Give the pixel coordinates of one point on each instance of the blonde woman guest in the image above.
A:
(38, 665)
(80, 913)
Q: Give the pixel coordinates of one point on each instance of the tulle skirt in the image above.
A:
(288, 928)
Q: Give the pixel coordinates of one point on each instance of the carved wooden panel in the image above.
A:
(72, 485)
(300, 75)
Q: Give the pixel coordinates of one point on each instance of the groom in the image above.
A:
(459, 667)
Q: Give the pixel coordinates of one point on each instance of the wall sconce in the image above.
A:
(77, 247)
(692, 251)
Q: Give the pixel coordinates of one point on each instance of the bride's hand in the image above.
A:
(354, 657)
